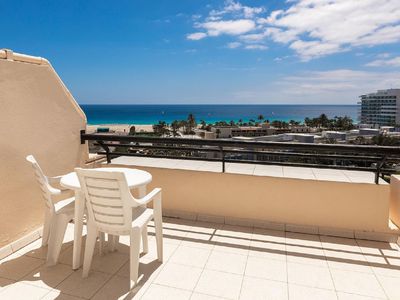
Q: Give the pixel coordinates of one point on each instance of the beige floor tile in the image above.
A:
(75, 285)
(206, 227)
(227, 262)
(306, 255)
(266, 268)
(198, 296)
(219, 284)
(4, 283)
(15, 267)
(379, 248)
(357, 283)
(57, 295)
(233, 239)
(264, 249)
(391, 285)
(168, 251)
(297, 292)
(259, 289)
(347, 296)
(308, 275)
(148, 271)
(303, 239)
(159, 292)
(340, 244)
(269, 235)
(22, 291)
(48, 277)
(235, 231)
(190, 256)
(109, 262)
(178, 276)
(66, 256)
(347, 261)
(198, 240)
(117, 288)
(264, 170)
(232, 245)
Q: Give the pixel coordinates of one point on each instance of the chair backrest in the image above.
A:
(43, 182)
(108, 198)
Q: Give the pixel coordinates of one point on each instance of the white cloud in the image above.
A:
(312, 28)
(230, 27)
(392, 62)
(313, 49)
(233, 45)
(232, 7)
(256, 47)
(196, 36)
(338, 82)
(340, 86)
(334, 25)
(232, 19)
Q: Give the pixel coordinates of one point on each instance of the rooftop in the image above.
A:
(214, 261)
(252, 169)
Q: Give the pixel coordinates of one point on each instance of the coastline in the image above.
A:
(90, 128)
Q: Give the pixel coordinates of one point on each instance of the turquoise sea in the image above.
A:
(150, 114)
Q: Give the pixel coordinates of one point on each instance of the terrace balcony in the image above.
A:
(252, 232)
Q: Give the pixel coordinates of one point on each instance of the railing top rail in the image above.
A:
(377, 150)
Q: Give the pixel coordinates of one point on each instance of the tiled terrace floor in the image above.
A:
(251, 169)
(215, 261)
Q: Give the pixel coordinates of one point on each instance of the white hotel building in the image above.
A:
(381, 108)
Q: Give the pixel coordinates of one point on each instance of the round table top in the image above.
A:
(134, 177)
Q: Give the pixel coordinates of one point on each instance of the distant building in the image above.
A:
(246, 131)
(381, 108)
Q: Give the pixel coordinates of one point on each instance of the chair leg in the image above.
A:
(57, 232)
(134, 256)
(114, 241)
(101, 243)
(89, 249)
(145, 240)
(46, 228)
(158, 227)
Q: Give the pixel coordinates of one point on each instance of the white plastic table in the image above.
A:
(135, 178)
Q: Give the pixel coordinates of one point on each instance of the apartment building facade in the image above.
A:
(381, 108)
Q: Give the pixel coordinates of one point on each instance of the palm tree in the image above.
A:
(203, 124)
(190, 124)
(160, 128)
(218, 132)
(175, 125)
(132, 130)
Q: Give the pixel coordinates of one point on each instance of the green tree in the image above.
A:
(218, 132)
(175, 126)
(161, 128)
(203, 124)
(132, 130)
(190, 124)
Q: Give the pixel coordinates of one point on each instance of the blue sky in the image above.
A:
(206, 52)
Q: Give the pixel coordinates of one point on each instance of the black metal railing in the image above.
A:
(382, 160)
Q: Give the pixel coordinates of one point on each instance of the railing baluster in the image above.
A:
(330, 156)
(221, 149)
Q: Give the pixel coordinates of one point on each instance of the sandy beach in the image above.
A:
(119, 127)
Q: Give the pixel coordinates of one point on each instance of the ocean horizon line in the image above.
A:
(152, 114)
(216, 104)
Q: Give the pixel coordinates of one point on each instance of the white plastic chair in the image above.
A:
(112, 209)
(57, 215)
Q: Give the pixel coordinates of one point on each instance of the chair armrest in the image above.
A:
(56, 180)
(149, 197)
